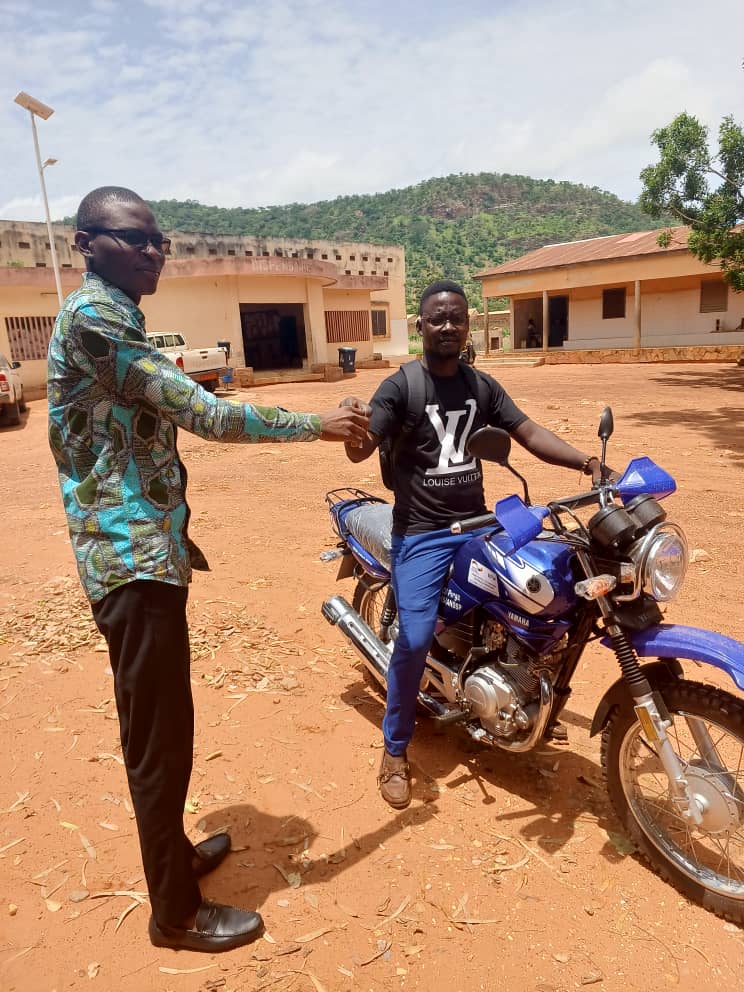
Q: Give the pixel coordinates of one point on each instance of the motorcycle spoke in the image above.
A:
(733, 870)
(706, 733)
(651, 788)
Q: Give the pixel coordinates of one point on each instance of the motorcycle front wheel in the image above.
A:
(704, 861)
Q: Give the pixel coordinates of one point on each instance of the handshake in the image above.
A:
(347, 423)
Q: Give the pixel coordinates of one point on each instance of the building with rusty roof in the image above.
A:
(617, 292)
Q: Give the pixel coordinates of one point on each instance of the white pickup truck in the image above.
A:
(204, 365)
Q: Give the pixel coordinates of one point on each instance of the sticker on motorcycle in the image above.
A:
(483, 578)
(524, 585)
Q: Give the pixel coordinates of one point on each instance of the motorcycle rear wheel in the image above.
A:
(705, 862)
(369, 601)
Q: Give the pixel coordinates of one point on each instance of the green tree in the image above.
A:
(702, 189)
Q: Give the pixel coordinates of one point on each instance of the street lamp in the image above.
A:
(38, 109)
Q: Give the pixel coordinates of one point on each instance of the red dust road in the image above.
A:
(506, 871)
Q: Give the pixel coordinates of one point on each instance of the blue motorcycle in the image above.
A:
(521, 603)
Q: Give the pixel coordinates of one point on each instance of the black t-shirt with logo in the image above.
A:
(436, 482)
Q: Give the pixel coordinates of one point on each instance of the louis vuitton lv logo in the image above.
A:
(452, 448)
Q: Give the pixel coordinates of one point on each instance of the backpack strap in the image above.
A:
(478, 387)
(415, 377)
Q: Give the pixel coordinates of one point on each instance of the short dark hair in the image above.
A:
(441, 286)
(92, 206)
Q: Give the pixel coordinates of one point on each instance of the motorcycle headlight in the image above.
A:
(665, 563)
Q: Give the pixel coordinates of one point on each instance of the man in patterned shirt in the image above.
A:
(115, 403)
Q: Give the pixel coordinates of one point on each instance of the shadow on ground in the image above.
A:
(262, 841)
(557, 796)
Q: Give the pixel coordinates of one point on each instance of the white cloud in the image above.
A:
(260, 103)
(32, 207)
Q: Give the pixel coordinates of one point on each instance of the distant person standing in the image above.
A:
(115, 403)
(533, 338)
(468, 352)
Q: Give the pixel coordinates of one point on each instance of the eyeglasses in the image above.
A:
(439, 320)
(134, 238)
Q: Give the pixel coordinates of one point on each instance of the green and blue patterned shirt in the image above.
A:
(114, 405)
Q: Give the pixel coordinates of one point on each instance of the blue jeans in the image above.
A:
(421, 563)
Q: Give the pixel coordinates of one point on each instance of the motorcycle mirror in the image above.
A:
(490, 444)
(606, 424)
(606, 427)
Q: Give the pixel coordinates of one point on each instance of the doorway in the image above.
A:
(273, 335)
(557, 321)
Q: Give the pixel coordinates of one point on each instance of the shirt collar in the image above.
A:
(92, 282)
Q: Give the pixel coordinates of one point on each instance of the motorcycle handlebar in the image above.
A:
(472, 523)
(569, 503)
(582, 499)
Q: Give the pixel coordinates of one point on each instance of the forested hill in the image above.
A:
(449, 227)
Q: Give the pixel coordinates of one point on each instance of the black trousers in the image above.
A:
(144, 623)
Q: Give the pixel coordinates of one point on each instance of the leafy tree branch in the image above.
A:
(680, 184)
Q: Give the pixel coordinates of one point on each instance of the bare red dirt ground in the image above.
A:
(506, 871)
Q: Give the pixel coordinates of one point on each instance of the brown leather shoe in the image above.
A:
(394, 780)
(556, 732)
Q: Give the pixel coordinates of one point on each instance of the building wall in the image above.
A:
(346, 299)
(667, 318)
(18, 301)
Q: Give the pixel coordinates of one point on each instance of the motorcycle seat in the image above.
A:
(371, 525)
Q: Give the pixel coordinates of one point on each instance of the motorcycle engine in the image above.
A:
(494, 700)
(503, 694)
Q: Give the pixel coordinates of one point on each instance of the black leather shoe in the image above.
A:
(216, 928)
(210, 853)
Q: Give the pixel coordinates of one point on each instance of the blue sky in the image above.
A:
(257, 103)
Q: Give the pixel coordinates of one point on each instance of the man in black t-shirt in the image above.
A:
(435, 483)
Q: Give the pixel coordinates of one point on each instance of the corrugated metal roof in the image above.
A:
(616, 246)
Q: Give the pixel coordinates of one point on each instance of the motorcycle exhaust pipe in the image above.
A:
(375, 654)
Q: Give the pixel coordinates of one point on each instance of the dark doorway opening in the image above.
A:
(557, 321)
(273, 335)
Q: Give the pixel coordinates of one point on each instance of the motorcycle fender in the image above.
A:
(672, 640)
(345, 567)
(658, 674)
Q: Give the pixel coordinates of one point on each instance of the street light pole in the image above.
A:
(36, 108)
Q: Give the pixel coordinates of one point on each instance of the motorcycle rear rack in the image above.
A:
(349, 497)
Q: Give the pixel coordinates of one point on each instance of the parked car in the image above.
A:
(204, 365)
(12, 404)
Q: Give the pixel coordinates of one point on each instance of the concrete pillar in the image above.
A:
(486, 334)
(637, 341)
(546, 318)
(318, 349)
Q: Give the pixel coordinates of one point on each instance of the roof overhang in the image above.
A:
(604, 272)
(498, 273)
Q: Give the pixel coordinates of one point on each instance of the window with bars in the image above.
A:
(713, 296)
(613, 303)
(29, 337)
(346, 325)
(379, 323)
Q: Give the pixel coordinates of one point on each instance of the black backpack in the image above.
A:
(415, 379)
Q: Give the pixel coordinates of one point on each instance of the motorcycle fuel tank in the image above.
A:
(537, 580)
